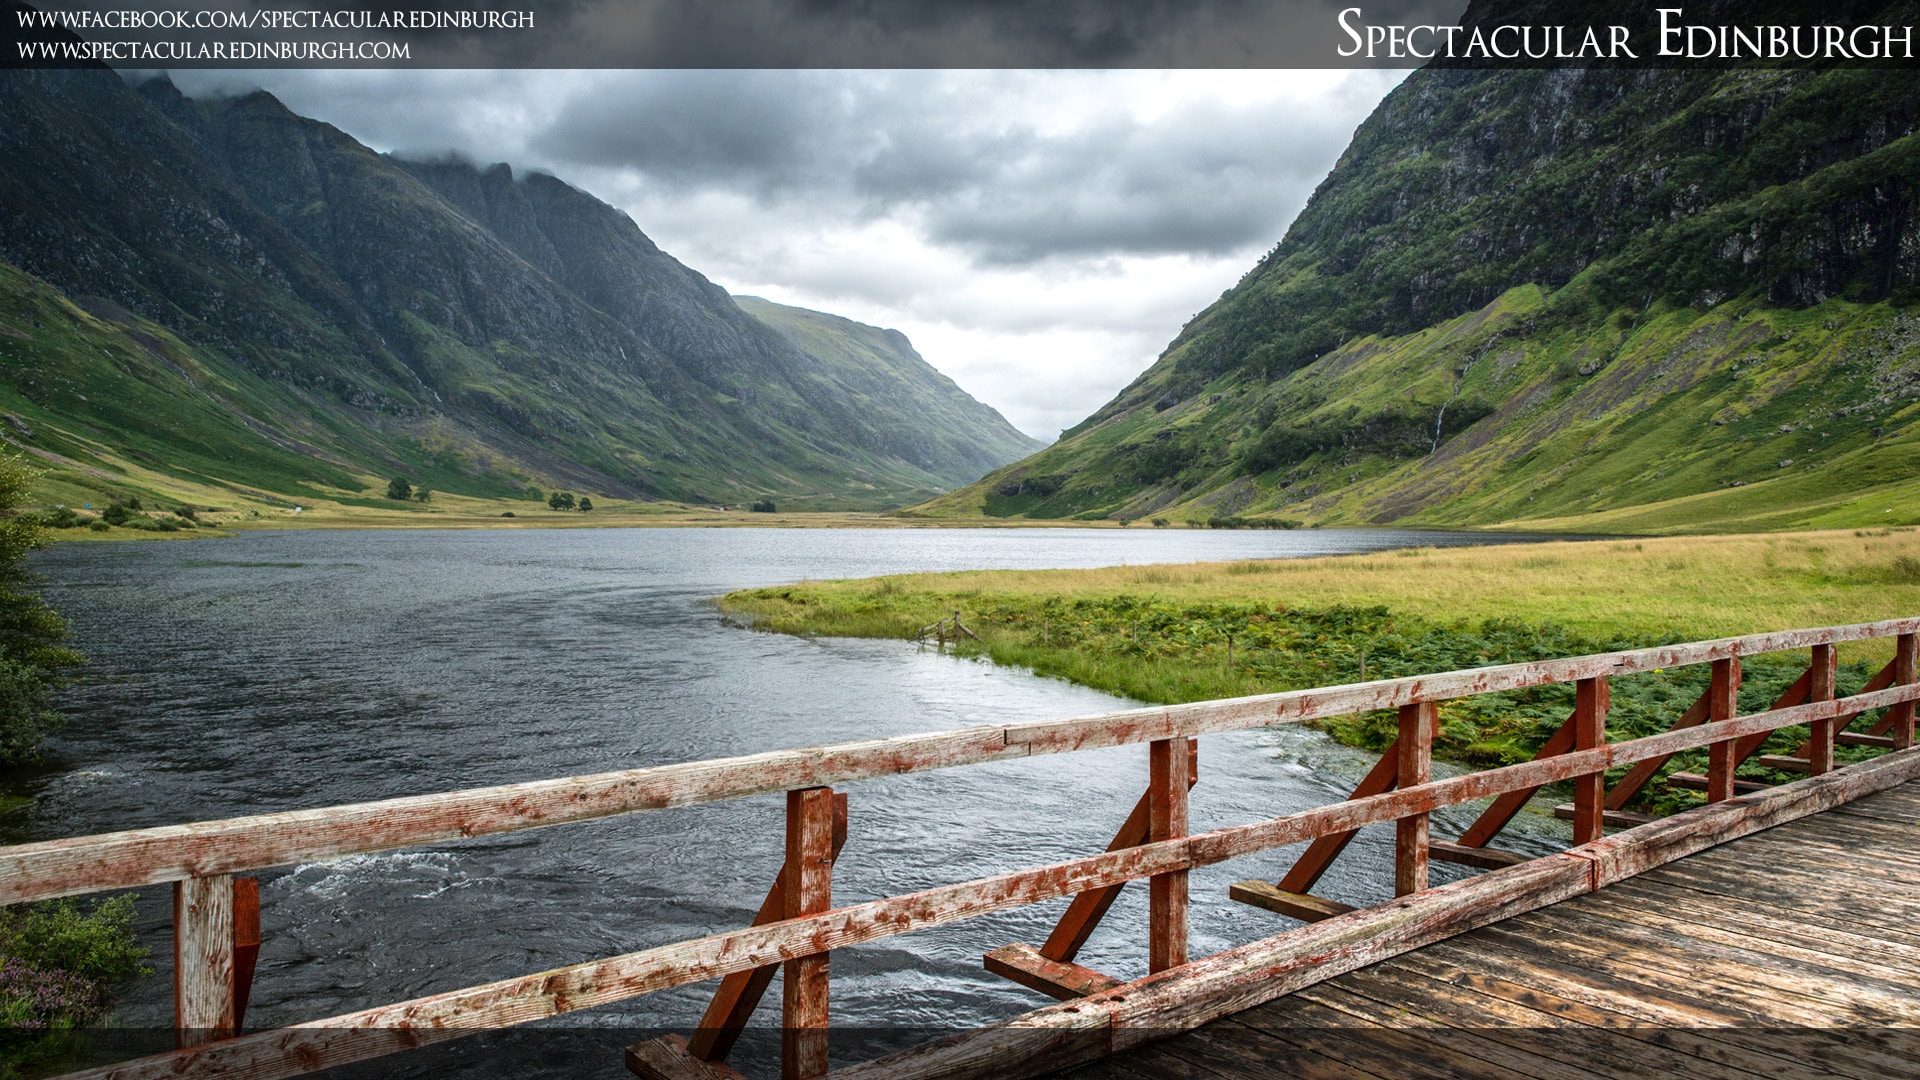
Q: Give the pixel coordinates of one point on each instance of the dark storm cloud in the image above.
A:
(928, 34)
(977, 173)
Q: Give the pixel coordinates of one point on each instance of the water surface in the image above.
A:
(297, 669)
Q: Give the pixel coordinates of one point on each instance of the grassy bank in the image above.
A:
(1174, 633)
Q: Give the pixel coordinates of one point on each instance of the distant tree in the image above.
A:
(533, 494)
(561, 500)
(117, 514)
(34, 657)
(586, 503)
(422, 495)
(186, 512)
(399, 490)
(763, 506)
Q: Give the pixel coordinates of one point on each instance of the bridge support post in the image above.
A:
(203, 947)
(1591, 699)
(1723, 703)
(1168, 764)
(1415, 766)
(809, 891)
(1820, 743)
(1906, 658)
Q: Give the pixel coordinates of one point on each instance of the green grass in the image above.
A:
(1161, 634)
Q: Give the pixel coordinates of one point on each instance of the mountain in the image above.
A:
(920, 414)
(222, 290)
(1598, 299)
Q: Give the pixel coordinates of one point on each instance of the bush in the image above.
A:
(586, 503)
(56, 964)
(61, 517)
(423, 495)
(533, 494)
(98, 526)
(34, 657)
(399, 490)
(561, 500)
(507, 513)
(186, 512)
(764, 506)
(117, 514)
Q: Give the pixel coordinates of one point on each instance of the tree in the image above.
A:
(585, 503)
(764, 506)
(561, 500)
(34, 657)
(423, 495)
(399, 489)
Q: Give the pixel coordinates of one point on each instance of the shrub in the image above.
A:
(117, 514)
(763, 506)
(98, 526)
(423, 495)
(399, 489)
(186, 512)
(533, 494)
(507, 513)
(56, 964)
(33, 653)
(60, 517)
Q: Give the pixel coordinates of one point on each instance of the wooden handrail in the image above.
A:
(119, 860)
(206, 854)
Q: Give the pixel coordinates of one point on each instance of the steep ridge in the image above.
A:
(370, 316)
(1662, 300)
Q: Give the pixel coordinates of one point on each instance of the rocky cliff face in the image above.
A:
(432, 318)
(1493, 249)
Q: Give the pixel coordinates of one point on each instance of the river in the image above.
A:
(280, 670)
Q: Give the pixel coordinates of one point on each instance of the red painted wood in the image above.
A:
(1320, 854)
(246, 945)
(1414, 760)
(1820, 671)
(1899, 719)
(1723, 701)
(1495, 817)
(1167, 820)
(803, 1022)
(1591, 698)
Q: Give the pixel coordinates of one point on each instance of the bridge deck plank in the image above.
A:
(1795, 949)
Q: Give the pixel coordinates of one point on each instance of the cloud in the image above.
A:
(1040, 235)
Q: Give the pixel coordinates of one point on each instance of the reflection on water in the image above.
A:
(284, 670)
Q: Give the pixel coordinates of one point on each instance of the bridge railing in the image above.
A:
(797, 926)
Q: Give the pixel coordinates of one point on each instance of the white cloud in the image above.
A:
(1040, 235)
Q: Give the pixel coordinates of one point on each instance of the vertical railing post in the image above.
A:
(1906, 657)
(1723, 703)
(1591, 698)
(203, 1004)
(1168, 765)
(1415, 753)
(809, 881)
(1820, 688)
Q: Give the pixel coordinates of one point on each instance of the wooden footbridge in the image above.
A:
(1689, 944)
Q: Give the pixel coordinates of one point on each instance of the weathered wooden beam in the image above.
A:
(246, 945)
(1313, 862)
(1784, 762)
(1413, 767)
(1723, 701)
(1485, 858)
(1497, 816)
(740, 993)
(203, 939)
(175, 852)
(1795, 694)
(1025, 965)
(809, 891)
(1852, 738)
(1167, 820)
(1880, 681)
(1612, 819)
(1906, 669)
(667, 1058)
(1697, 782)
(1083, 915)
(385, 1029)
(1591, 698)
(1303, 906)
(1819, 746)
(1643, 772)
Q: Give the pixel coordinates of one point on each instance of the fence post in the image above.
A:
(203, 1003)
(1723, 703)
(1906, 657)
(1168, 766)
(809, 881)
(1591, 699)
(1820, 688)
(1417, 724)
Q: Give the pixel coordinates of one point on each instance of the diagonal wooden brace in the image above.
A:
(740, 993)
(1382, 778)
(1495, 817)
(1088, 908)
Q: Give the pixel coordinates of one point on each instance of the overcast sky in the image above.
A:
(1040, 235)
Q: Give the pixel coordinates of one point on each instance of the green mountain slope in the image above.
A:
(912, 408)
(1654, 300)
(347, 317)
